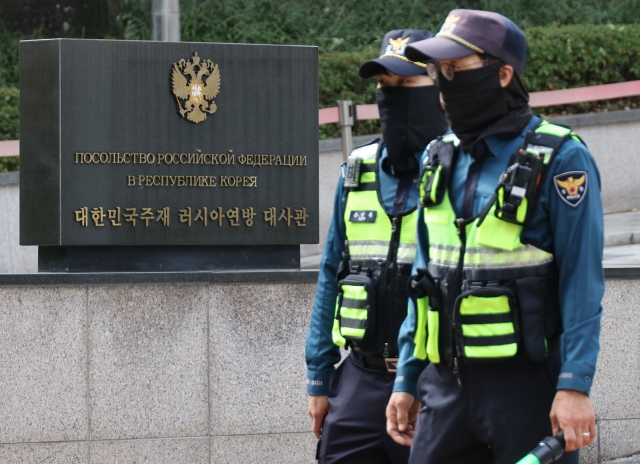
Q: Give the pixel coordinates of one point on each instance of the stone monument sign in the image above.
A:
(152, 144)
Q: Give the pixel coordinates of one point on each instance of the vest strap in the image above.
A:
(490, 341)
(486, 318)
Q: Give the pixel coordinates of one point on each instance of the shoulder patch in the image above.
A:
(572, 186)
(363, 216)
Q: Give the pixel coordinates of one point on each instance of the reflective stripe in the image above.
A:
(406, 253)
(367, 177)
(548, 128)
(336, 336)
(475, 305)
(356, 292)
(368, 252)
(433, 340)
(353, 313)
(354, 334)
(360, 249)
(420, 336)
(487, 330)
(527, 255)
(498, 351)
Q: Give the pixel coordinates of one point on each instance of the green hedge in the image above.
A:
(9, 113)
(560, 57)
(350, 25)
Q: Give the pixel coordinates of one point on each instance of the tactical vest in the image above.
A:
(486, 296)
(380, 249)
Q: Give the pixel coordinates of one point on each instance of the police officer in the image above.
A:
(508, 281)
(361, 298)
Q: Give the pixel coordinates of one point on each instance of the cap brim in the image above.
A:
(438, 48)
(395, 65)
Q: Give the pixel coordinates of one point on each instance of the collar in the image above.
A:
(498, 146)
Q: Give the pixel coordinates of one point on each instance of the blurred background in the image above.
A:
(571, 43)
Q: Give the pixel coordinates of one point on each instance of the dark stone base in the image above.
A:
(167, 258)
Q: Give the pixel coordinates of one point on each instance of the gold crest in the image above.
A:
(450, 22)
(396, 44)
(571, 185)
(195, 83)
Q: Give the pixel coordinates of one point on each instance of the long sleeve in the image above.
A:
(571, 199)
(321, 353)
(410, 367)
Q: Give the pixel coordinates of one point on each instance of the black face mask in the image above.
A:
(411, 117)
(477, 106)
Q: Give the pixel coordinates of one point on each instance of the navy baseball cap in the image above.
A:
(392, 55)
(472, 31)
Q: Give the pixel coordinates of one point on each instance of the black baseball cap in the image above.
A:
(392, 55)
(473, 31)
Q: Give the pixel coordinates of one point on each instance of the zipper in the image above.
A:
(462, 234)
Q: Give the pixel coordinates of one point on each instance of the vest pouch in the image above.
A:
(424, 292)
(355, 308)
(532, 309)
(487, 324)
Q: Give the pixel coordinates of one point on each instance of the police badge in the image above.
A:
(197, 82)
(572, 187)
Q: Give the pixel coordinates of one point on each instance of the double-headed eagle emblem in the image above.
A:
(198, 82)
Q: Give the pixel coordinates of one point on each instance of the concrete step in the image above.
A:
(622, 228)
(630, 460)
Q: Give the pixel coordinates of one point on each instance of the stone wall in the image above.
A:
(207, 373)
(175, 373)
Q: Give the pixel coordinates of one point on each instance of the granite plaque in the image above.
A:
(128, 143)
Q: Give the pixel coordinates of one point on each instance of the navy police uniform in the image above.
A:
(362, 286)
(497, 326)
